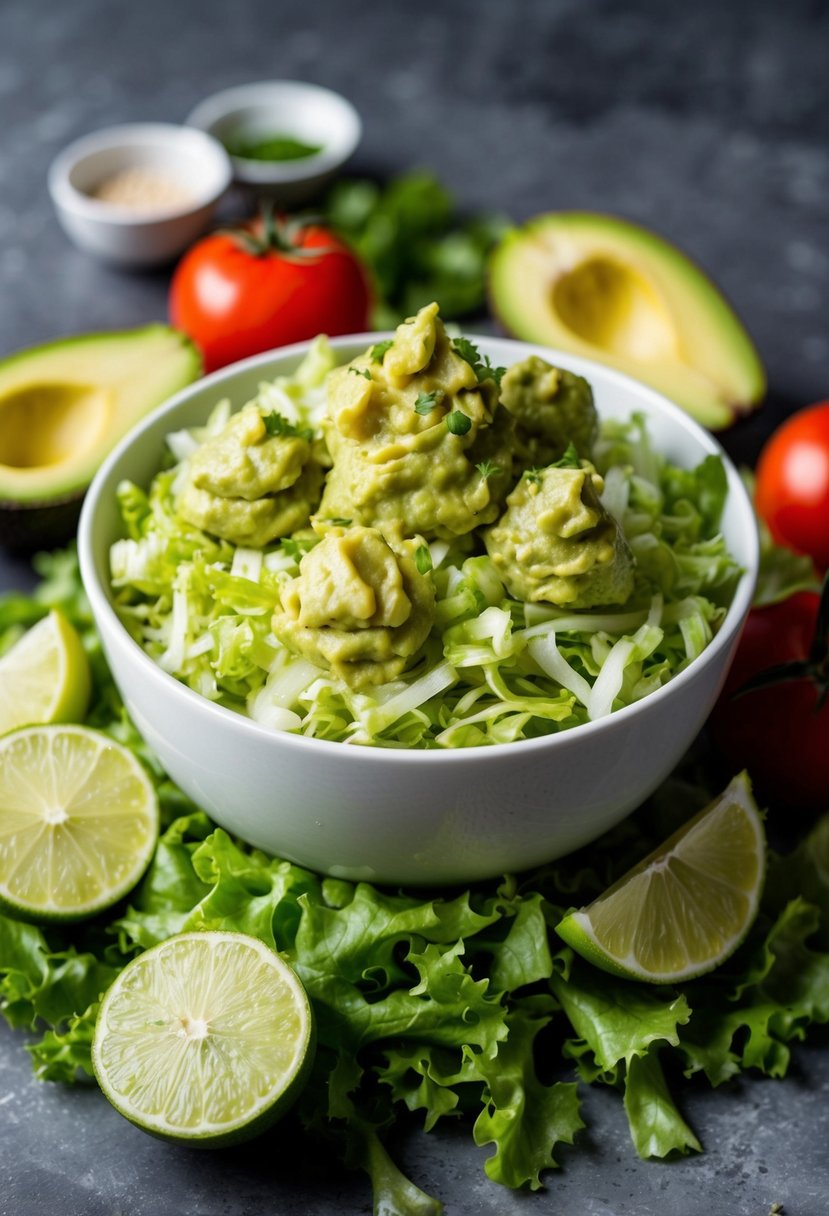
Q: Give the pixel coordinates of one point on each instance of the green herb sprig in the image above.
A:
(278, 424)
(426, 402)
(482, 367)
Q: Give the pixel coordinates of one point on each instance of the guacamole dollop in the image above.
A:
(358, 605)
(255, 481)
(552, 408)
(556, 543)
(419, 445)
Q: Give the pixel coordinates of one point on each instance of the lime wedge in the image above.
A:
(205, 1039)
(686, 907)
(44, 677)
(78, 822)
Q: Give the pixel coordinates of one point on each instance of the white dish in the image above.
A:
(317, 116)
(194, 163)
(396, 816)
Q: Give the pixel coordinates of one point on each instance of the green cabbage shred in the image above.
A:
(493, 670)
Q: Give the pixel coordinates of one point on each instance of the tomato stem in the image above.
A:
(278, 234)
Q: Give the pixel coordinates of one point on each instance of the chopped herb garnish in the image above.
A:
(379, 349)
(361, 371)
(426, 402)
(458, 423)
(482, 368)
(278, 424)
(533, 476)
(423, 559)
(570, 459)
(336, 521)
(488, 469)
(296, 548)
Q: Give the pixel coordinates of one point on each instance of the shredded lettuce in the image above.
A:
(493, 670)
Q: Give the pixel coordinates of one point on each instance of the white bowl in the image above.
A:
(130, 235)
(396, 816)
(307, 112)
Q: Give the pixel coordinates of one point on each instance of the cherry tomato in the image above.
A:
(792, 493)
(780, 731)
(272, 283)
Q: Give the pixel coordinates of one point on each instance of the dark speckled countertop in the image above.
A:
(708, 122)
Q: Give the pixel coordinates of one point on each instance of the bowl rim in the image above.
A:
(67, 197)
(102, 606)
(212, 109)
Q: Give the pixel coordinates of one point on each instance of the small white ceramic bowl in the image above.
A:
(307, 112)
(396, 816)
(195, 165)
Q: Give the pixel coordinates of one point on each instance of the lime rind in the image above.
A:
(205, 1039)
(45, 676)
(79, 822)
(685, 908)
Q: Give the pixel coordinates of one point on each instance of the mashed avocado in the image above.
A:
(253, 482)
(419, 444)
(358, 606)
(555, 542)
(552, 408)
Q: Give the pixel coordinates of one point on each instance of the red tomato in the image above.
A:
(780, 732)
(273, 283)
(792, 493)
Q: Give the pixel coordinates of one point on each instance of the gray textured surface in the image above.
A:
(709, 122)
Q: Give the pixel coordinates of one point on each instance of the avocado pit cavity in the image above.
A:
(46, 425)
(613, 307)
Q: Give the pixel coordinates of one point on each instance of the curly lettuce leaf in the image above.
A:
(746, 1015)
(523, 1117)
(657, 1128)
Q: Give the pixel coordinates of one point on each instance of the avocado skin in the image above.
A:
(29, 527)
(51, 520)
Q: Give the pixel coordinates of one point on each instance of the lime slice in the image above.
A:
(78, 822)
(205, 1039)
(686, 907)
(45, 676)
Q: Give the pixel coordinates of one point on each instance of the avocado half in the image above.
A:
(62, 408)
(598, 286)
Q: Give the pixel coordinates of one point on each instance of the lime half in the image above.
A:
(686, 907)
(44, 677)
(205, 1039)
(78, 822)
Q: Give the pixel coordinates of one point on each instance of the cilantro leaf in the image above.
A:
(361, 371)
(482, 368)
(426, 402)
(416, 245)
(568, 460)
(458, 423)
(487, 469)
(278, 424)
(379, 349)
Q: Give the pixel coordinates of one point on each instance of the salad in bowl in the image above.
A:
(418, 608)
(420, 549)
